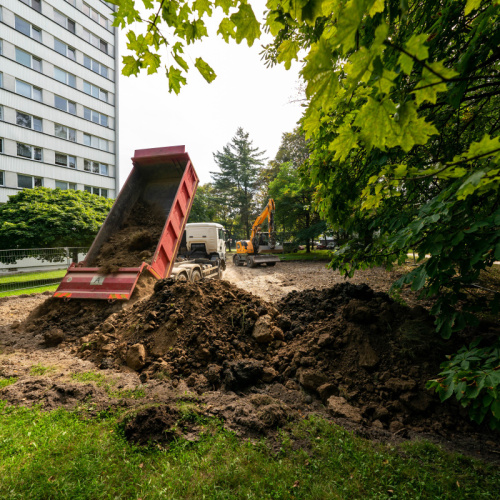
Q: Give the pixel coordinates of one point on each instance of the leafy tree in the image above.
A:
(239, 163)
(210, 206)
(291, 189)
(42, 217)
(170, 26)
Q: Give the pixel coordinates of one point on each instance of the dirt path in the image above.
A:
(274, 283)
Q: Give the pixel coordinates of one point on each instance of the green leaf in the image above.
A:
(430, 83)
(131, 66)
(202, 6)
(175, 79)
(151, 62)
(181, 62)
(349, 21)
(206, 71)
(415, 46)
(375, 122)
(247, 26)
(226, 29)
(471, 5)
(287, 51)
(344, 143)
(225, 5)
(411, 129)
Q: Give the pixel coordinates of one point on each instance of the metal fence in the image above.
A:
(21, 269)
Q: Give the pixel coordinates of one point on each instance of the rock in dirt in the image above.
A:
(311, 379)
(136, 357)
(339, 407)
(53, 337)
(242, 373)
(262, 331)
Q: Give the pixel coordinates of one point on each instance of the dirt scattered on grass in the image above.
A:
(344, 352)
(135, 242)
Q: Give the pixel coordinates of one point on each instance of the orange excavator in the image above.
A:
(261, 246)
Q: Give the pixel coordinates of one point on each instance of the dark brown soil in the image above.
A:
(344, 352)
(135, 242)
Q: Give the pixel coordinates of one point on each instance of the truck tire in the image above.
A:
(237, 261)
(182, 277)
(195, 275)
(251, 262)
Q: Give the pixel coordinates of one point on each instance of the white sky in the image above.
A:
(204, 117)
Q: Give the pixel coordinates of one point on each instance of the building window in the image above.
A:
(64, 49)
(65, 160)
(31, 152)
(65, 105)
(64, 132)
(28, 29)
(1, 145)
(95, 41)
(95, 142)
(28, 60)
(1, 79)
(95, 91)
(28, 121)
(1, 174)
(96, 67)
(34, 4)
(94, 116)
(28, 182)
(96, 16)
(96, 190)
(65, 185)
(28, 90)
(64, 21)
(65, 77)
(95, 167)
(1, 112)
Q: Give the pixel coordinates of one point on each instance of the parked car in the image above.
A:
(320, 246)
(331, 245)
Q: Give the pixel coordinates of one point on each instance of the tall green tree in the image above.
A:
(43, 217)
(292, 190)
(239, 163)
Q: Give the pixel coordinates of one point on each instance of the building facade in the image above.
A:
(58, 96)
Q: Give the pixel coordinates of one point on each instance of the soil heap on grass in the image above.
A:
(364, 356)
(135, 242)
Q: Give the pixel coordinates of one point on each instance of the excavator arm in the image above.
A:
(268, 213)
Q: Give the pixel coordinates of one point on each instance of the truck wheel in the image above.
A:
(251, 262)
(237, 261)
(182, 277)
(195, 275)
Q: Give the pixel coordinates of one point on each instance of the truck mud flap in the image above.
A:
(87, 283)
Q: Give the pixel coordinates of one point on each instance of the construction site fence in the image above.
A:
(26, 268)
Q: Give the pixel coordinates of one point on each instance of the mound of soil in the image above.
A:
(345, 350)
(364, 356)
(135, 242)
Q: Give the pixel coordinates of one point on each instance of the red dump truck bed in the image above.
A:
(163, 178)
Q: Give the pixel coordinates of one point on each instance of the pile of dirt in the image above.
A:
(345, 352)
(362, 355)
(135, 242)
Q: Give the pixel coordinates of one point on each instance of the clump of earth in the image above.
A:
(345, 352)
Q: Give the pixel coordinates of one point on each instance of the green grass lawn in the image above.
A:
(24, 277)
(302, 255)
(65, 455)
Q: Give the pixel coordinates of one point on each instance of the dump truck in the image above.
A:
(165, 179)
(261, 246)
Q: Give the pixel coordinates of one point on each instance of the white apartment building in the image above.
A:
(58, 96)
